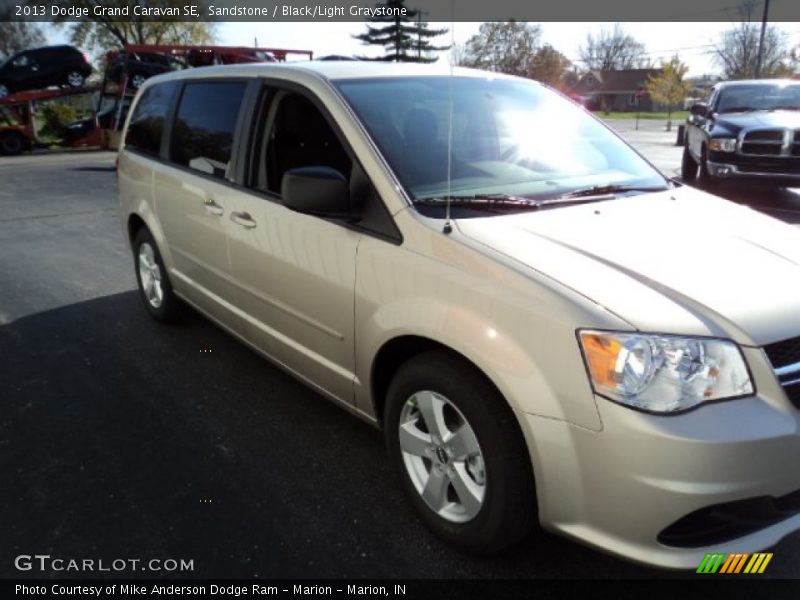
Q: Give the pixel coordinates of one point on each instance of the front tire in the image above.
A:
(155, 288)
(704, 178)
(688, 166)
(460, 454)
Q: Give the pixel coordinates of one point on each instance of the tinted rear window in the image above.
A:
(147, 123)
(202, 138)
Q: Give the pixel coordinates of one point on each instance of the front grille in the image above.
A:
(785, 359)
(762, 149)
(768, 164)
(764, 142)
(778, 168)
(770, 135)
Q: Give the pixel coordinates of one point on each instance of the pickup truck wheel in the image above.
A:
(75, 79)
(460, 454)
(12, 143)
(704, 178)
(688, 166)
(154, 284)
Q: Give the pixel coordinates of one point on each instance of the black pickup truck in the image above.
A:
(746, 130)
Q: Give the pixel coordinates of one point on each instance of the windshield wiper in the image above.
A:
(491, 201)
(603, 192)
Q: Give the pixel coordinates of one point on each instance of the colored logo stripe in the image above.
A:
(711, 563)
(735, 563)
(758, 563)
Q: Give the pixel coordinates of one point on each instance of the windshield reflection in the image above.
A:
(509, 137)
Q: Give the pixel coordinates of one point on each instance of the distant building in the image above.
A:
(615, 90)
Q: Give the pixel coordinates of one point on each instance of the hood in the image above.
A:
(762, 118)
(680, 261)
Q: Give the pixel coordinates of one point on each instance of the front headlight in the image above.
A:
(663, 373)
(722, 144)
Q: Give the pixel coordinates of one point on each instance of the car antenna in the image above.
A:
(448, 227)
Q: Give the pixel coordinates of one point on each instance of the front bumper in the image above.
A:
(619, 489)
(727, 170)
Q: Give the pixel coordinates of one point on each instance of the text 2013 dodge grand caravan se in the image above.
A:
(571, 339)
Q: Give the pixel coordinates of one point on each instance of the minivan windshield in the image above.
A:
(759, 96)
(511, 139)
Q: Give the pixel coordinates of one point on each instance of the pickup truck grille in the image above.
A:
(770, 142)
(769, 164)
(785, 359)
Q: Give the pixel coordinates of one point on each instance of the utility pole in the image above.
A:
(761, 39)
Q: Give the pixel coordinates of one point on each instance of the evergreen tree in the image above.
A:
(404, 38)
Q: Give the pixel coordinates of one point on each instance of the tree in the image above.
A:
(613, 50)
(403, 38)
(668, 87)
(19, 35)
(549, 66)
(504, 46)
(737, 51)
(105, 33)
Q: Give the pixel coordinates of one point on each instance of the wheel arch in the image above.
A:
(399, 350)
(134, 224)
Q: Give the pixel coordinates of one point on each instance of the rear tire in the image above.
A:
(460, 453)
(155, 288)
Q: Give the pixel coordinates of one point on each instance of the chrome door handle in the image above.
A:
(213, 208)
(244, 219)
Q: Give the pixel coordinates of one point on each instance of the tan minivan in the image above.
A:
(546, 329)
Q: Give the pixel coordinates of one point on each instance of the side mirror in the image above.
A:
(320, 191)
(699, 110)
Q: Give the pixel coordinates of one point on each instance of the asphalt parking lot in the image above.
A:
(121, 438)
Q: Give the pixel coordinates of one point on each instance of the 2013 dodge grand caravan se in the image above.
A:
(545, 328)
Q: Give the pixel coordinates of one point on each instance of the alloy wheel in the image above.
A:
(150, 276)
(442, 456)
